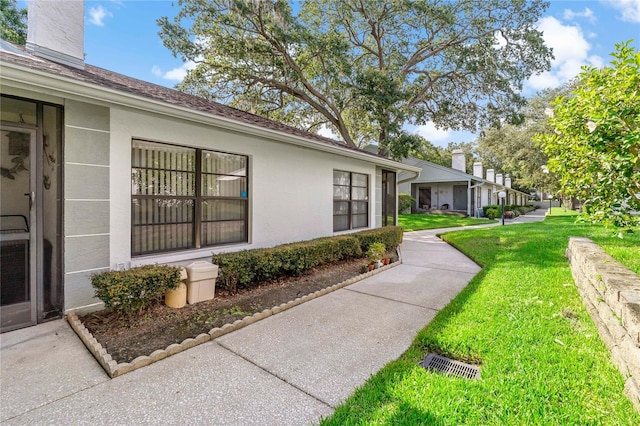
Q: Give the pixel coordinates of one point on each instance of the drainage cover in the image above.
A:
(440, 364)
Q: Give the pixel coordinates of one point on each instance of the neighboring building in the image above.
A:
(444, 188)
(101, 171)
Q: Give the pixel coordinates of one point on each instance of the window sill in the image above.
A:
(184, 257)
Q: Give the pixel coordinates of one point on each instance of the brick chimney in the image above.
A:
(507, 182)
(55, 31)
(499, 179)
(458, 161)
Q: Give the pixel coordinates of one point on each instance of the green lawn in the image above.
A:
(522, 319)
(560, 211)
(418, 222)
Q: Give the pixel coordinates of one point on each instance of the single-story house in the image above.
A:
(443, 188)
(101, 171)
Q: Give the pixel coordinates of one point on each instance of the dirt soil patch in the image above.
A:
(126, 338)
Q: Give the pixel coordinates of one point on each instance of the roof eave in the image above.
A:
(27, 78)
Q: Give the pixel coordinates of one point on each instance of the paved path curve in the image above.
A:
(289, 369)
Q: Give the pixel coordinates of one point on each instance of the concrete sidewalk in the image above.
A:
(289, 369)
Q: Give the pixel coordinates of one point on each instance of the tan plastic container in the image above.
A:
(201, 284)
(177, 297)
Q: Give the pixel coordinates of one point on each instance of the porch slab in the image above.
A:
(41, 365)
(204, 385)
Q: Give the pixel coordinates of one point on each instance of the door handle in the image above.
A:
(32, 198)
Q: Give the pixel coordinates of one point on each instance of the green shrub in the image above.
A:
(135, 288)
(496, 207)
(405, 202)
(390, 236)
(244, 269)
(491, 213)
(375, 252)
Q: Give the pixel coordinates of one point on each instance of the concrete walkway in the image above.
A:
(289, 369)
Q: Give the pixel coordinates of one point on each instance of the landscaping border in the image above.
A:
(114, 369)
(611, 294)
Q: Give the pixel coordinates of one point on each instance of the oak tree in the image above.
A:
(363, 68)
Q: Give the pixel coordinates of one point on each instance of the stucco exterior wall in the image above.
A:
(87, 199)
(290, 188)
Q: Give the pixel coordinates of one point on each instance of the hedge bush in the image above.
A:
(491, 213)
(390, 236)
(136, 288)
(246, 268)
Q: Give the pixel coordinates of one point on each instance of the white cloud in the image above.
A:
(431, 133)
(570, 49)
(630, 9)
(156, 71)
(570, 15)
(441, 137)
(98, 14)
(176, 74)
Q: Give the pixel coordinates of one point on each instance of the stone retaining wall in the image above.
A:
(611, 293)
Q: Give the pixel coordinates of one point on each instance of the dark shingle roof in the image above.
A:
(108, 79)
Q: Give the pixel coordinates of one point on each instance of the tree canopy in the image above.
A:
(511, 149)
(595, 146)
(13, 22)
(364, 68)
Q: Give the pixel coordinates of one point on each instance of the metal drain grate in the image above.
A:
(440, 364)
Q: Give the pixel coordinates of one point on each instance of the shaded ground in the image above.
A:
(159, 326)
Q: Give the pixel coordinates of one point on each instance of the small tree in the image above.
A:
(595, 150)
(13, 22)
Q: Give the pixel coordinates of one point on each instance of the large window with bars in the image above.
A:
(184, 198)
(350, 200)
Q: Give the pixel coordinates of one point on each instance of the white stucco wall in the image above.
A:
(290, 188)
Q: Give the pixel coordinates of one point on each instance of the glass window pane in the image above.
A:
(156, 238)
(154, 211)
(18, 111)
(228, 164)
(359, 221)
(223, 232)
(359, 193)
(341, 178)
(162, 182)
(359, 207)
(341, 207)
(162, 156)
(359, 179)
(213, 210)
(340, 223)
(341, 192)
(224, 186)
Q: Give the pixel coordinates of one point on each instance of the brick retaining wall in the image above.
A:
(611, 293)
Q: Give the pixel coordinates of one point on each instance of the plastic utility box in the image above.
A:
(201, 281)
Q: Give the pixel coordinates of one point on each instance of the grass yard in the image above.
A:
(418, 222)
(521, 318)
(560, 211)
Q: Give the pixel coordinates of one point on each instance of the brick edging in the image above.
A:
(114, 369)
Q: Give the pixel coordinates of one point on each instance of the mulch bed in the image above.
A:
(159, 326)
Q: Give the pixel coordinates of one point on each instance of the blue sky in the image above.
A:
(122, 36)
